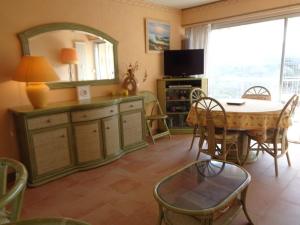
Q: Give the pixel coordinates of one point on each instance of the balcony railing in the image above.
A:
(290, 86)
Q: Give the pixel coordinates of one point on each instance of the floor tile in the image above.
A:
(121, 193)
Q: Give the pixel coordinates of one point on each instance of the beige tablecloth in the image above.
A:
(255, 117)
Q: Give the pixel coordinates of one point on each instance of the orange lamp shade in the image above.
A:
(68, 56)
(35, 69)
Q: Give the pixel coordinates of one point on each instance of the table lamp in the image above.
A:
(69, 56)
(35, 70)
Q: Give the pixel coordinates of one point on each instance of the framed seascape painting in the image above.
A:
(157, 35)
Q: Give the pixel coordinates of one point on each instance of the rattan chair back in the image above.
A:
(257, 92)
(287, 112)
(11, 195)
(213, 121)
(196, 94)
(278, 137)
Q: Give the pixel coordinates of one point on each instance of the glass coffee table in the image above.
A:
(203, 192)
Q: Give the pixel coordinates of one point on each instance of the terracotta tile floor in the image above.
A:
(121, 193)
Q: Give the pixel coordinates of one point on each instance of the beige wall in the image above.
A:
(229, 8)
(121, 20)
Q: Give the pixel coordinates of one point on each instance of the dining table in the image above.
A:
(251, 117)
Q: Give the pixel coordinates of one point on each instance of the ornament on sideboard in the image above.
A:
(130, 82)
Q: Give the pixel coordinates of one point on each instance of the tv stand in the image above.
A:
(174, 97)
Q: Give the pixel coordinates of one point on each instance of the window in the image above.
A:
(103, 53)
(264, 53)
(291, 65)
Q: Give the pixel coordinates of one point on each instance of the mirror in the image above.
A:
(79, 54)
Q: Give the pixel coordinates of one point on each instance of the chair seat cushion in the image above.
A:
(231, 136)
(156, 117)
(270, 136)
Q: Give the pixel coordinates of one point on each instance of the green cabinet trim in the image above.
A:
(57, 107)
(43, 129)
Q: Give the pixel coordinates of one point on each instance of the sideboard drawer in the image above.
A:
(47, 121)
(127, 106)
(92, 114)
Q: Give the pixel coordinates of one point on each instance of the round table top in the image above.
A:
(254, 116)
(251, 106)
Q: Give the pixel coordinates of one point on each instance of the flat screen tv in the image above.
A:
(183, 62)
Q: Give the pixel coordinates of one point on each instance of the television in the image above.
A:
(183, 62)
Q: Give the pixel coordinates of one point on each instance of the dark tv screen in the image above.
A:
(183, 62)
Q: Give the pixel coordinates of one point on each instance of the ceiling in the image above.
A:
(181, 4)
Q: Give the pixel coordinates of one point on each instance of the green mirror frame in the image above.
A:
(27, 34)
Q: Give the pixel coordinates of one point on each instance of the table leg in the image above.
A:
(243, 200)
(243, 148)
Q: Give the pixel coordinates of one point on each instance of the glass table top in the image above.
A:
(201, 185)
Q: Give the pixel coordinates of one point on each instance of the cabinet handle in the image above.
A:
(95, 131)
(48, 121)
(124, 121)
(111, 110)
(107, 128)
(62, 136)
(84, 116)
(131, 106)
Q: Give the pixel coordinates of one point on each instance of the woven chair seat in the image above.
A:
(231, 136)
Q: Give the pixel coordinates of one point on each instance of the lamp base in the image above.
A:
(37, 94)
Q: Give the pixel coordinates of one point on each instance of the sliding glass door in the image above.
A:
(291, 72)
(264, 53)
(243, 56)
(291, 64)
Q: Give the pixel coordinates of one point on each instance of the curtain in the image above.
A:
(198, 37)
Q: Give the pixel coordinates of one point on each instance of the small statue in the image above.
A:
(129, 82)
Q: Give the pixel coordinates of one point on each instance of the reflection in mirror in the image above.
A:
(79, 54)
(95, 59)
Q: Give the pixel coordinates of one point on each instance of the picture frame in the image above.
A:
(83, 93)
(158, 35)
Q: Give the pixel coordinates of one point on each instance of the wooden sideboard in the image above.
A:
(71, 136)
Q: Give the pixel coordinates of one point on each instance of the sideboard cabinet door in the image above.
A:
(51, 150)
(132, 128)
(88, 142)
(111, 132)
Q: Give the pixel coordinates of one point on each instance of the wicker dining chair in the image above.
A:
(220, 140)
(257, 92)
(156, 115)
(195, 95)
(11, 195)
(50, 221)
(276, 143)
